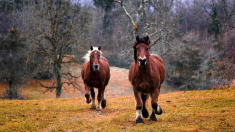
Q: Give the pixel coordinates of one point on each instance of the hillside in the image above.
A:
(208, 110)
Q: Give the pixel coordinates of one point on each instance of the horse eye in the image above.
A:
(137, 48)
(147, 48)
(91, 55)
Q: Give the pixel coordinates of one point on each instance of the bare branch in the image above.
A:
(156, 41)
(48, 87)
(129, 16)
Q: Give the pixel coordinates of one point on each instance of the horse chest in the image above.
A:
(94, 81)
(144, 83)
(144, 86)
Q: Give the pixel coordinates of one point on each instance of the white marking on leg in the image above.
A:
(139, 114)
(158, 109)
(99, 104)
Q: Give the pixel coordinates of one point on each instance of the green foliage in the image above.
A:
(183, 63)
(14, 62)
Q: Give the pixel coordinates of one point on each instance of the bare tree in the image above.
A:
(221, 15)
(152, 18)
(56, 28)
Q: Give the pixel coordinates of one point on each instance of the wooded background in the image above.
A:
(195, 39)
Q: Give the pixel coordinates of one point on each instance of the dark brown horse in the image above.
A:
(146, 74)
(95, 74)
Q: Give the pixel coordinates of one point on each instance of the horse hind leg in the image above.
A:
(145, 112)
(93, 99)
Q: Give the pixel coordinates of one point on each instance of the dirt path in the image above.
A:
(119, 85)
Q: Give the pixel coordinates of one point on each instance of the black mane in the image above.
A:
(139, 40)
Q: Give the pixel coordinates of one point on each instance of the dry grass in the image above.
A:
(209, 110)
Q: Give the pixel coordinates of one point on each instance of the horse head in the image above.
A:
(141, 50)
(95, 57)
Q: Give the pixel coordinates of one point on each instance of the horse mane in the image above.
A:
(138, 41)
(88, 54)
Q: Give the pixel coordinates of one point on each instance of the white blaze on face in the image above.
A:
(87, 56)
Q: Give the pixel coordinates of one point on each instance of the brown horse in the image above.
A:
(95, 74)
(146, 74)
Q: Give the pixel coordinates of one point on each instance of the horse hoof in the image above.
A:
(98, 110)
(159, 110)
(87, 97)
(88, 101)
(103, 103)
(145, 113)
(153, 117)
(139, 120)
(93, 107)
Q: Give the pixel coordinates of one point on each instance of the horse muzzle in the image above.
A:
(142, 61)
(96, 67)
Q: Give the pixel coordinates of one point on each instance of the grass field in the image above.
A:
(208, 110)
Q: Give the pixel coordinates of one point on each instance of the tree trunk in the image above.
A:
(10, 92)
(58, 79)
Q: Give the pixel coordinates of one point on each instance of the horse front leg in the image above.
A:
(103, 102)
(156, 109)
(145, 112)
(99, 98)
(93, 99)
(87, 93)
(138, 106)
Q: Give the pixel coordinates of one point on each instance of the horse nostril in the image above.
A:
(142, 62)
(96, 66)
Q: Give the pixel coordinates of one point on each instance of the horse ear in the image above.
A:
(137, 38)
(91, 48)
(99, 48)
(147, 39)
